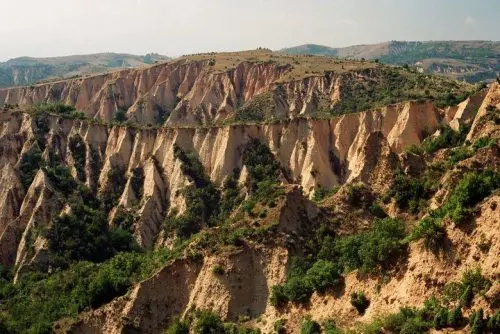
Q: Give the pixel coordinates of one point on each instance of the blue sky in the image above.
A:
(63, 27)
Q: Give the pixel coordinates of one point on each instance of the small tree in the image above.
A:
(360, 302)
(310, 326)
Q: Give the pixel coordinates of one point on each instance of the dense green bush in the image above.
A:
(476, 281)
(137, 182)
(413, 320)
(231, 196)
(303, 280)
(260, 163)
(470, 190)
(483, 142)
(446, 138)
(78, 152)
(120, 116)
(392, 85)
(431, 230)
(310, 326)
(322, 275)
(321, 193)
(279, 326)
(208, 323)
(202, 199)
(377, 211)
(84, 234)
(110, 195)
(458, 154)
(37, 300)
(61, 178)
(359, 301)
(31, 161)
(373, 250)
(477, 322)
(408, 192)
(357, 194)
(330, 327)
(124, 219)
(178, 327)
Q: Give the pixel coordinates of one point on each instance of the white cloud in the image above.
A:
(470, 21)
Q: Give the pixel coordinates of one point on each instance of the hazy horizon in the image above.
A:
(61, 28)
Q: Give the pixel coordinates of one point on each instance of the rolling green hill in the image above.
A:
(26, 70)
(471, 61)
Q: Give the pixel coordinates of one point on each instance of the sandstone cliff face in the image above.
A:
(316, 152)
(191, 91)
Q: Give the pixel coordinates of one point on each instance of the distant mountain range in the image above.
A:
(471, 61)
(26, 70)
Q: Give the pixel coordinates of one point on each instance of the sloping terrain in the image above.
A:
(26, 71)
(472, 61)
(379, 221)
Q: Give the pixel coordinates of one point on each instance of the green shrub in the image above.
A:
(376, 249)
(322, 275)
(493, 323)
(446, 138)
(330, 327)
(298, 289)
(483, 142)
(376, 210)
(78, 152)
(458, 154)
(218, 270)
(279, 326)
(321, 193)
(30, 163)
(178, 327)
(476, 281)
(477, 322)
(208, 323)
(431, 230)
(202, 199)
(231, 196)
(414, 149)
(356, 194)
(310, 326)
(455, 318)
(360, 302)
(114, 188)
(261, 164)
(124, 219)
(137, 182)
(61, 178)
(120, 116)
(470, 190)
(278, 296)
(467, 297)
(408, 192)
(84, 234)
